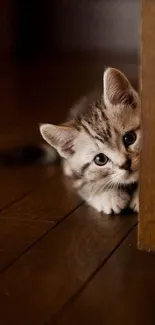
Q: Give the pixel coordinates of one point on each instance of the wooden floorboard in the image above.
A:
(32, 94)
(123, 291)
(38, 285)
(49, 201)
(27, 220)
(16, 183)
(18, 236)
(51, 244)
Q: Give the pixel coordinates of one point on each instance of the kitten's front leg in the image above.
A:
(112, 201)
(134, 204)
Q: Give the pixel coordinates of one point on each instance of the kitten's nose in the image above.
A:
(126, 165)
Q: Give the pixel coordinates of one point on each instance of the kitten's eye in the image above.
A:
(101, 159)
(129, 138)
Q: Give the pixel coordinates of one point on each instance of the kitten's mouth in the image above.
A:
(133, 171)
(131, 176)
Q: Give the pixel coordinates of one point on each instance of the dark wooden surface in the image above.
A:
(122, 292)
(147, 211)
(62, 262)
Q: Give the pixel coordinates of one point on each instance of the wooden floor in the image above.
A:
(61, 262)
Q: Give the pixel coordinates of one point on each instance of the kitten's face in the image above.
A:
(103, 146)
(109, 161)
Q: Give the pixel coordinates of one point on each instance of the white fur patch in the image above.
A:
(110, 202)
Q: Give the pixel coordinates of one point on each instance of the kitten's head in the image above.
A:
(102, 145)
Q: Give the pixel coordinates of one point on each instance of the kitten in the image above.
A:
(100, 145)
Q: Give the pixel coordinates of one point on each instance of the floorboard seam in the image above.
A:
(9, 265)
(22, 197)
(57, 316)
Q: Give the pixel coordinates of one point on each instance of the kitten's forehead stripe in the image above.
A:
(87, 130)
(95, 122)
(98, 131)
(99, 139)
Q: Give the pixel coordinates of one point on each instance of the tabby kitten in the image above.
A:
(100, 145)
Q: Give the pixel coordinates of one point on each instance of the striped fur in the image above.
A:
(98, 126)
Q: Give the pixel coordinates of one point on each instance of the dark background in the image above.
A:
(33, 28)
(53, 52)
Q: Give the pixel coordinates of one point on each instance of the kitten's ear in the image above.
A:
(60, 137)
(117, 89)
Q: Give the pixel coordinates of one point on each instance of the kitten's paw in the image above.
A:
(111, 202)
(115, 203)
(134, 204)
(111, 207)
